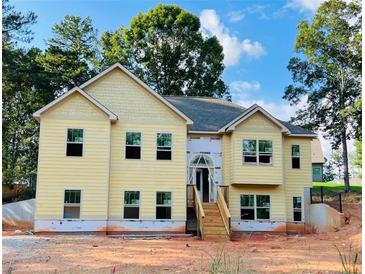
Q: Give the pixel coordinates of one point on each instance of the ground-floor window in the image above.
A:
(297, 209)
(71, 206)
(163, 205)
(131, 205)
(255, 207)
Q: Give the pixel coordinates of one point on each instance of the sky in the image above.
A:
(257, 37)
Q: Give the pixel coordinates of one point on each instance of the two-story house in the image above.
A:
(115, 156)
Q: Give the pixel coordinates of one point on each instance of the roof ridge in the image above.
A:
(208, 98)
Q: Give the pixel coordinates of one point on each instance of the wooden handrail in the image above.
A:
(199, 211)
(223, 208)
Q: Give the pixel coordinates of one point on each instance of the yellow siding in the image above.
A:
(142, 112)
(261, 128)
(56, 172)
(297, 179)
(226, 159)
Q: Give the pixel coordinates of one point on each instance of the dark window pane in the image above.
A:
(164, 139)
(263, 200)
(131, 197)
(131, 212)
(263, 213)
(247, 200)
(133, 138)
(297, 202)
(247, 214)
(132, 152)
(249, 147)
(163, 198)
(77, 198)
(163, 155)
(295, 150)
(265, 146)
(265, 159)
(250, 159)
(75, 135)
(297, 216)
(72, 196)
(163, 212)
(295, 162)
(71, 212)
(74, 150)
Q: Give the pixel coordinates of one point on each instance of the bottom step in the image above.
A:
(151, 236)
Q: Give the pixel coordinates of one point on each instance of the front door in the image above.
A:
(202, 183)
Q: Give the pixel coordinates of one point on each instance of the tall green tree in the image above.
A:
(72, 54)
(165, 48)
(25, 89)
(328, 74)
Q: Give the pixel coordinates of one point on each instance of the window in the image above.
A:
(163, 205)
(71, 207)
(317, 171)
(295, 156)
(297, 209)
(247, 207)
(164, 146)
(263, 207)
(131, 205)
(265, 152)
(261, 156)
(75, 139)
(249, 151)
(255, 207)
(133, 145)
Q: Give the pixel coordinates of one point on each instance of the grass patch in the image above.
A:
(337, 187)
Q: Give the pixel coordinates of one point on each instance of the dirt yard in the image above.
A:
(249, 253)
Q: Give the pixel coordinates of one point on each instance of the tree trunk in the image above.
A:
(346, 178)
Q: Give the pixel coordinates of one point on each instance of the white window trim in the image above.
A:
(172, 142)
(132, 205)
(83, 142)
(257, 163)
(156, 205)
(299, 157)
(72, 204)
(125, 146)
(255, 207)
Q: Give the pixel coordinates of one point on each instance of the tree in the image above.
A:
(25, 89)
(165, 48)
(72, 54)
(329, 74)
(328, 174)
(337, 162)
(16, 26)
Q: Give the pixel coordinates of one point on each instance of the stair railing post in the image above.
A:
(340, 198)
(322, 194)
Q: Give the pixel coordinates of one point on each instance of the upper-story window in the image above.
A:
(257, 151)
(295, 156)
(164, 142)
(133, 145)
(75, 142)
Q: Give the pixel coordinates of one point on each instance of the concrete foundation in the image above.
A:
(19, 213)
(325, 218)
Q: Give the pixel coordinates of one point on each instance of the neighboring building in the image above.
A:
(114, 156)
(317, 161)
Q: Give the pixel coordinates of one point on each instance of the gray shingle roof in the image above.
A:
(211, 114)
(208, 114)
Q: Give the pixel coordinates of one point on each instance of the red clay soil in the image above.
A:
(248, 253)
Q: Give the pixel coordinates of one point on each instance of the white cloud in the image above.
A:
(243, 86)
(304, 5)
(239, 15)
(236, 16)
(233, 48)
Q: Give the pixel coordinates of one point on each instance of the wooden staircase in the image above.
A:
(214, 228)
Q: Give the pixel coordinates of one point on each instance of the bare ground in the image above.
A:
(249, 253)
